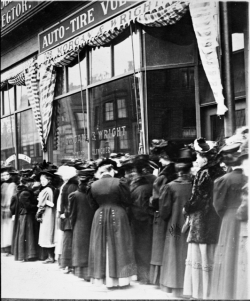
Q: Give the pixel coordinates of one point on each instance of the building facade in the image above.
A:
(100, 92)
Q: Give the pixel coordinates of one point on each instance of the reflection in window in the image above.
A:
(28, 139)
(60, 81)
(74, 76)
(109, 111)
(22, 97)
(101, 64)
(113, 118)
(171, 105)
(121, 108)
(9, 101)
(7, 137)
(123, 58)
(71, 129)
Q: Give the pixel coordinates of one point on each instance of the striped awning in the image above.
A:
(15, 76)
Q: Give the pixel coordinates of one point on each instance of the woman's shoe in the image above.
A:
(49, 260)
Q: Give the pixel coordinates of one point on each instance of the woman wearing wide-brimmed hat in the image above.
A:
(23, 207)
(111, 254)
(81, 216)
(8, 189)
(204, 222)
(227, 200)
(46, 214)
(172, 199)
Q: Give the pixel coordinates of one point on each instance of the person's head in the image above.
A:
(28, 182)
(5, 176)
(45, 179)
(164, 160)
(206, 152)
(106, 170)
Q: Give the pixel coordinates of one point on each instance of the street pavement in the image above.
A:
(46, 281)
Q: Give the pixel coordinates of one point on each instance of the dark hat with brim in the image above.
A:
(108, 162)
(185, 155)
(86, 174)
(46, 172)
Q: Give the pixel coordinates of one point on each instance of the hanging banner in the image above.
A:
(205, 22)
(121, 20)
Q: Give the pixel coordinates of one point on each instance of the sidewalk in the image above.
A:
(46, 281)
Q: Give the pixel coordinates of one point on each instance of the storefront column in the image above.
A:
(246, 58)
(227, 69)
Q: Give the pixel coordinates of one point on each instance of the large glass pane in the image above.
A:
(239, 73)
(60, 87)
(114, 126)
(29, 146)
(71, 130)
(123, 53)
(9, 101)
(100, 64)
(171, 104)
(22, 97)
(74, 76)
(7, 139)
(169, 45)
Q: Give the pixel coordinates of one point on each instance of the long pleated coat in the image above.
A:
(227, 199)
(80, 216)
(173, 197)
(23, 206)
(110, 230)
(141, 216)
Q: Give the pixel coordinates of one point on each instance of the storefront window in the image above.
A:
(167, 46)
(7, 139)
(171, 104)
(60, 87)
(239, 73)
(9, 101)
(100, 64)
(72, 129)
(74, 76)
(113, 118)
(22, 97)
(123, 57)
(29, 146)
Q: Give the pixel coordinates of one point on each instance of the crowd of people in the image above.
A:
(176, 218)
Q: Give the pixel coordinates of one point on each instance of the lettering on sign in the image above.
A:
(82, 20)
(11, 11)
(20, 156)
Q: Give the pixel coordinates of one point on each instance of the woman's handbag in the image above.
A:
(186, 225)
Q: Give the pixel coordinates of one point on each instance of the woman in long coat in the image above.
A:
(173, 197)
(111, 254)
(46, 215)
(8, 189)
(69, 176)
(227, 200)
(24, 207)
(166, 175)
(204, 223)
(141, 217)
(81, 216)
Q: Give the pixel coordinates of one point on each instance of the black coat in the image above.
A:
(80, 216)
(141, 216)
(204, 221)
(69, 187)
(23, 206)
(110, 230)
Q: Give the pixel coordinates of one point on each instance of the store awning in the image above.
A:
(15, 76)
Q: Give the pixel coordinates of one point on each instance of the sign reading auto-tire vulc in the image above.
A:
(87, 17)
